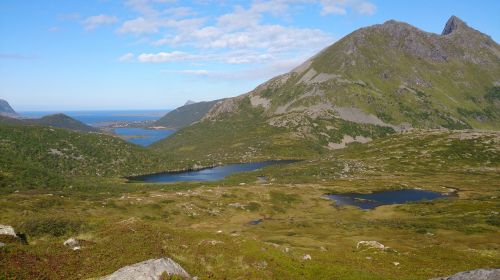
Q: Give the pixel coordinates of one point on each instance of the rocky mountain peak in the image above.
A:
(454, 23)
(6, 109)
(189, 102)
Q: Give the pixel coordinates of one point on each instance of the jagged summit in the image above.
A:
(453, 24)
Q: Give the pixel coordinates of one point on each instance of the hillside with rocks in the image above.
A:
(377, 80)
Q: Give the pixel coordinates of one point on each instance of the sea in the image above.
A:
(139, 136)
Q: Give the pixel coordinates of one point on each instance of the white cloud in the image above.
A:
(366, 8)
(126, 57)
(253, 73)
(340, 7)
(242, 36)
(93, 22)
(179, 12)
(198, 72)
(163, 57)
(140, 25)
(53, 29)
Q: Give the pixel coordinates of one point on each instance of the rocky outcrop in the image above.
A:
(7, 230)
(347, 140)
(478, 274)
(370, 245)
(73, 244)
(148, 270)
(451, 25)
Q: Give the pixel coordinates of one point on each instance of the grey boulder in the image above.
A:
(7, 230)
(148, 270)
(478, 274)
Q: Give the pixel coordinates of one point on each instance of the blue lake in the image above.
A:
(208, 174)
(141, 136)
(373, 200)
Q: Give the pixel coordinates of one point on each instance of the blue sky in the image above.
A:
(156, 54)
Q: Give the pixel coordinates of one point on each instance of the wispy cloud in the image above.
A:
(16, 56)
(54, 29)
(243, 35)
(163, 57)
(263, 71)
(341, 7)
(126, 57)
(93, 22)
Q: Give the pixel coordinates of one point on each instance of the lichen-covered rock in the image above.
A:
(478, 274)
(148, 270)
(7, 230)
(307, 257)
(371, 244)
(72, 243)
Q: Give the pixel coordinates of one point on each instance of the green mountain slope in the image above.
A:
(33, 156)
(376, 80)
(64, 121)
(186, 115)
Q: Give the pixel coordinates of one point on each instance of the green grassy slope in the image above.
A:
(64, 121)
(205, 226)
(33, 156)
(185, 115)
(248, 137)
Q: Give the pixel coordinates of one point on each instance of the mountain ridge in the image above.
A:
(6, 109)
(185, 115)
(382, 78)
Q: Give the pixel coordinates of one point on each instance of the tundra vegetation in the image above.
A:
(388, 107)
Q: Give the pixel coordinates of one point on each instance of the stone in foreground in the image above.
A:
(148, 270)
(478, 274)
(7, 230)
(72, 243)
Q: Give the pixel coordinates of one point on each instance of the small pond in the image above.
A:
(373, 200)
(208, 174)
(141, 136)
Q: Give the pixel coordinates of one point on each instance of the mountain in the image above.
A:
(64, 121)
(189, 102)
(186, 115)
(41, 157)
(377, 80)
(6, 109)
(56, 120)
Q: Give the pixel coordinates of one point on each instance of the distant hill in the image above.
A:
(185, 115)
(56, 120)
(6, 109)
(36, 156)
(377, 80)
(11, 120)
(64, 121)
(189, 102)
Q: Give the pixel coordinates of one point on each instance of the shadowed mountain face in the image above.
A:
(186, 115)
(6, 109)
(392, 76)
